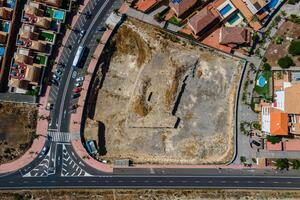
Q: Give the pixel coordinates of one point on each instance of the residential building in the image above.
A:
(6, 13)
(146, 5)
(283, 115)
(203, 20)
(181, 6)
(235, 36)
(55, 3)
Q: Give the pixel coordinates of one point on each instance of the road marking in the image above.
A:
(223, 181)
(209, 181)
(10, 182)
(261, 182)
(93, 181)
(275, 182)
(120, 181)
(133, 181)
(171, 181)
(249, 182)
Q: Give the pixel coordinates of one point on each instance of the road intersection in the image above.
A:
(60, 167)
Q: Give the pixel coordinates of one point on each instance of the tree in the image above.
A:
(285, 62)
(282, 164)
(273, 139)
(296, 164)
(294, 48)
(266, 67)
(243, 159)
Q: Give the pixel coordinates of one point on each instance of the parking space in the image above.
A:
(70, 167)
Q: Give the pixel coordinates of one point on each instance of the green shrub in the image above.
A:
(294, 47)
(266, 67)
(273, 139)
(282, 163)
(295, 19)
(264, 59)
(278, 40)
(285, 62)
(296, 164)
(243, 159)
(175, 21)
(256, 125)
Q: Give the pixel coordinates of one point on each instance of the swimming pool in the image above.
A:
(58, 14)
(6, 27)
(272, 4)
(225, 9)
(261, 81)
(233, 18)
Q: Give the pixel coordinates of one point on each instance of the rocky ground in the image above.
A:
(150, 194)
(163, 100)
(17, 129)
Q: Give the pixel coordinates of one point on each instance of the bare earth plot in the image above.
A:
(17, 127)
(97, 194)
(164, 100)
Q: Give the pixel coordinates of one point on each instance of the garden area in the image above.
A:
(263, 84)
(284, 50)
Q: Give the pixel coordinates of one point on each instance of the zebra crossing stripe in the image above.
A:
(59, 136)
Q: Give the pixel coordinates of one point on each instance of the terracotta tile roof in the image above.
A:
(201, 20)
(144, 5)
(235, 35)
(274, 147)
(212, 40)
(180, 6)
(242, 7)
(291, 99)
(278, 122)
(292, 145)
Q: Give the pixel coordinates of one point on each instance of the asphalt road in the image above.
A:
(60, 167)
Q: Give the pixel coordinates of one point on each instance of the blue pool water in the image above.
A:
(261, 82)
(59, 15)
(233, 18)
(6, 27)
(2, 51)
(272, 4)
(11, 3)
(225, 10)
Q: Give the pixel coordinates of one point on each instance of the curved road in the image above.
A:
(60, 167)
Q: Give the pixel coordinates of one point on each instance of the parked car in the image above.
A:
(78, 84)
(44, 150)
(80, 79)
(59, 72)
(49, 106)
(74, 96)
(77, 89)
(54, 82)
(56, 77)
(256, 143)
(81, 35)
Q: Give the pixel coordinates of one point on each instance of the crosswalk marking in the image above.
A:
(59, 136)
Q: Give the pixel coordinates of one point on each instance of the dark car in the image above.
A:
(256, 143)
(54, 82)
(74, 96)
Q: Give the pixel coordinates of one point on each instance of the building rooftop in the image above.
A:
(291, 99)
(291, 145)
(145, 5)
(235, 35)
(202, 20)
(274, 147)
(278, 122)
(181, 6)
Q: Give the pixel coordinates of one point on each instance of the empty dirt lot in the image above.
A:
(164, 100)
(17, 128)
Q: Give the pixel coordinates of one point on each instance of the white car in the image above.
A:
(80, 79)
(78, 84)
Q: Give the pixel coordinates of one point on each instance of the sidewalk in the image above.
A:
(76, 118)
(38, 143)
(42, 123)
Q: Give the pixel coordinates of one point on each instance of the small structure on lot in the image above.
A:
(122, 163)
(181, 6)
(234, 36)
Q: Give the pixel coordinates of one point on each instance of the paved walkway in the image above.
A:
(38, 143)
(42, 123)
(17, 98)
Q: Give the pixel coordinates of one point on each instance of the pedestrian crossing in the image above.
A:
(59, 136)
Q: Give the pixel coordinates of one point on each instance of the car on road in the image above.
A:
(54, 82)
(74, 96)
(78, 84)
(49, 106)
(81, 35)
(44, 150)
(80, 79)
(77, 89)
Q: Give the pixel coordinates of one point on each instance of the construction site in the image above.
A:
(163, 100)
